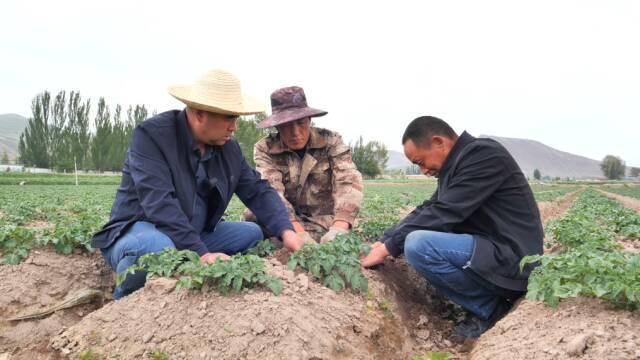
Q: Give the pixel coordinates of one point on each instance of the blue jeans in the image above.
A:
(440, 258)
(143, 238)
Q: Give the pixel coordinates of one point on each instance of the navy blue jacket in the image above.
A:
(159, 186)
(482, 192)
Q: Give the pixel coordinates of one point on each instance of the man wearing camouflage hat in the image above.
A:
(311, 168)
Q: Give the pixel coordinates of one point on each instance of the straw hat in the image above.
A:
(217, 91)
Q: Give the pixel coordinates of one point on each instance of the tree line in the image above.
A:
(60, 133)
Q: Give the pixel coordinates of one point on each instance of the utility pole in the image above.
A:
(75, 165)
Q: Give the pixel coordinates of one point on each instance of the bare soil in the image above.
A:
(554, 209)
(307, 321)
(583, 328)
(44, 279)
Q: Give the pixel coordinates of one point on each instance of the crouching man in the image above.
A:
(311, 168)
(469, 238)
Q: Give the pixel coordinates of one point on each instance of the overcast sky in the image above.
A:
(566, 73)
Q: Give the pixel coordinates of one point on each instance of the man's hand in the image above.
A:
(331, 234)
(291, 240)
(377, 255)
(210, 258)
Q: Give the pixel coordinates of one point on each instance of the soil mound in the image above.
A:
(584, 328)
(42, 280)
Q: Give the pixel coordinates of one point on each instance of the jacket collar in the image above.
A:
(463, 140)
(316, 141)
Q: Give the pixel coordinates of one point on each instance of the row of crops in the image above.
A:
(630, 191)
(63, 216)
(591, 261)
(336, 264)
(66, 216)
(543, 192)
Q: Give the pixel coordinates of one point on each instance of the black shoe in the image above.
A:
(472, 326)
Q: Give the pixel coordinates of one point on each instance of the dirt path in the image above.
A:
(44, 279)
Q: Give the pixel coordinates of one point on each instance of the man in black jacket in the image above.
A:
(469, 238)
(181, 170)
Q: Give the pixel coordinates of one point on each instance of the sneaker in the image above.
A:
(472, 326)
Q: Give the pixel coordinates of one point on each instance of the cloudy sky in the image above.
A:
(566, 73)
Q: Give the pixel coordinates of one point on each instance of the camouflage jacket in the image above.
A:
(322, 187)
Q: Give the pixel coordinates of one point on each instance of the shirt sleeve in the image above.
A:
(347, 182)
(476, 178)
(156, 193)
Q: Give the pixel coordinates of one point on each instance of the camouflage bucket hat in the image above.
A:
(289, 104)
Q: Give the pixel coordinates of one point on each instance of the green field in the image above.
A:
(15, 178)
(49, 210)
(544, 192)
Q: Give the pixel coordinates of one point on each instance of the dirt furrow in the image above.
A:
(554, 209)
(626, 201)
(42, 280)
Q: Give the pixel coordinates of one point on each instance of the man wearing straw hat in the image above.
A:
(311, 168)
(180, 172)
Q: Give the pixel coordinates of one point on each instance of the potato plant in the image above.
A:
(336, 264)
(591, 263)
(263, 248)
(67, 217)
(235, 274)
(15, 243)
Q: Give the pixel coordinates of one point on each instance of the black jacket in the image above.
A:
(481, 191)
(159, 185)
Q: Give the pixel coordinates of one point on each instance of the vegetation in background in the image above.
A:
(370, 158)
(536, 174)
(631, 191)
(59, 136)
(613, 167)
(247, 133)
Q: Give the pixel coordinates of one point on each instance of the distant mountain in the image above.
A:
(530, 155)
(397, 161)
(11, 126)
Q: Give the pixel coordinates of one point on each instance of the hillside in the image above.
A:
(11, 126)
(530, 154)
